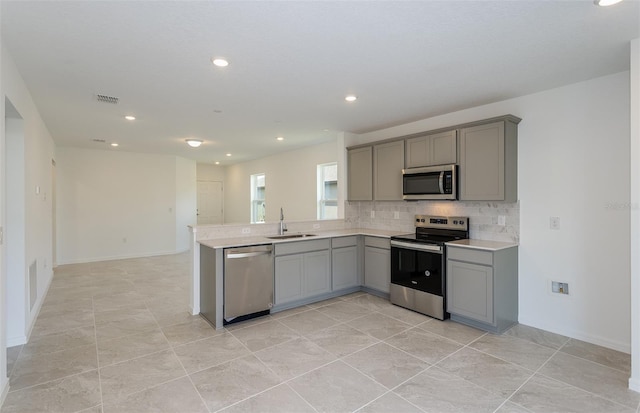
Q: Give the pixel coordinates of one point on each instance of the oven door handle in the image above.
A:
(418, 247)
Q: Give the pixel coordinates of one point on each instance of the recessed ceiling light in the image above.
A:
(217, 162)
(220, 62)
(228, 154)
(350, 98)
(279, 138)
(194, 143)
(605, 3)
(114, 144)
(129, 117)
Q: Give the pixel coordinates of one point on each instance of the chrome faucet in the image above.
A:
(283, 226)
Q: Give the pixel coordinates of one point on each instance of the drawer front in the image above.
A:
(296, 247)
(470, 255)
(377, 242)
(342, 242)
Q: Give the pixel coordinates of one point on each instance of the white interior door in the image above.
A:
(210, 203)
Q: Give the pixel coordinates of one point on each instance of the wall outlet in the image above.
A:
(554, 223)
(373, 214)
(246, 230)
(396, 215)
(502, 220)
(316, 226)
(559, 287)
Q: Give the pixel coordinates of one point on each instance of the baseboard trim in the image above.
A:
(16, 341)
(578, 335)
(634, 384)
(5, 391)
(122, 257)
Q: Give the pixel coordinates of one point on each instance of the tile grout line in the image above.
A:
(95, 333)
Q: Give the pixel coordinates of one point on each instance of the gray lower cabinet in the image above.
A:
(344, 263)
(377, 263)
(302, 270)
(482, 287)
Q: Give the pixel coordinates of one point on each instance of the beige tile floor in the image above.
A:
(116, 337)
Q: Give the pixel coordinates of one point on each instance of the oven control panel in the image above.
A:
(430, 221)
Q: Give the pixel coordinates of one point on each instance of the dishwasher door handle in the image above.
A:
(247, 254)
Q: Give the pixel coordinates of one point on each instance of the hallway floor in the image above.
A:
(116, 337)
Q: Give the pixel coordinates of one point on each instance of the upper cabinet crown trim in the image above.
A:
(510, 118)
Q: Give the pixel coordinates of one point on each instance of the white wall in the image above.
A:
(634, 212)
(573, 163)
(290, 183)
(15, 230)
(114, 204)
(4, 382)
(186, 208)
(207, 172)
(38, 153)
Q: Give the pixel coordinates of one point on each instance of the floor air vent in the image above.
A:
(33, 284)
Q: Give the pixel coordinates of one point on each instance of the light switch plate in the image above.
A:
(554, 223)
(502, 220)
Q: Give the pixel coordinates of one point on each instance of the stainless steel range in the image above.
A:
(418, 264)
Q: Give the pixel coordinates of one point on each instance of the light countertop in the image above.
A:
(480, 244)
(259, 240)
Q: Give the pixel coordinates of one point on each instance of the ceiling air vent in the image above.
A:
(107, 99)
(99, 140)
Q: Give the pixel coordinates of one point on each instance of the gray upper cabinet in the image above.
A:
(360, 174)
(388, 162)
(437, 149)
(488, 169)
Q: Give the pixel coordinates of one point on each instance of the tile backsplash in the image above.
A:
(483, 216)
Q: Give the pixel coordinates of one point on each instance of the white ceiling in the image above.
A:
(292, 63)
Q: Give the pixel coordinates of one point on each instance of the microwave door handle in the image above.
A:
(441, 182)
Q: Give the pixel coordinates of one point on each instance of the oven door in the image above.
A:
(418, 266)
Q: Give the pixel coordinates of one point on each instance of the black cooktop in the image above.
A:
(428, 238)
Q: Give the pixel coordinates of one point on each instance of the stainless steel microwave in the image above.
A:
(432, 182)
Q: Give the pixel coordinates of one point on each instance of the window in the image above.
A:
(257, 198)
(328, 191)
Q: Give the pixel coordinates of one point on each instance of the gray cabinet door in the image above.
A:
(345, 267)
(289, 271)
(317, 273)
(437, 149)
(444, 148)
(470, 290)
(360, 174)
(388, 162)
(377, 268)
(482, 162)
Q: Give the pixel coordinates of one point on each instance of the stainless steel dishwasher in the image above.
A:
(248, 282)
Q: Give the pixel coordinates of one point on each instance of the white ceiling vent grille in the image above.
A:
(107, 99)
(99, 140)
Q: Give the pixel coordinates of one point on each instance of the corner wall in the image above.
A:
(634, 212)
(573, 163)
(114, 205)
(39, 150)
(290, 184)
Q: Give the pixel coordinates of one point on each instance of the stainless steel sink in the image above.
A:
(289, 236)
